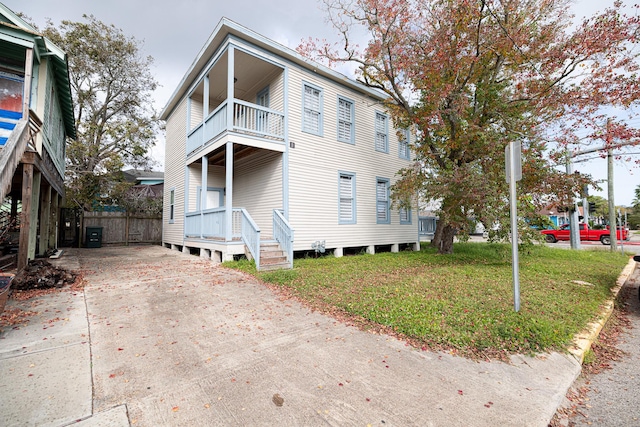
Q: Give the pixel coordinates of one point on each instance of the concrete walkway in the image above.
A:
(160, 338)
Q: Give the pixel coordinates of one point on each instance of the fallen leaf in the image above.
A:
(175, 409)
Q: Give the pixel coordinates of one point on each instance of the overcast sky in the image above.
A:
(173, 32)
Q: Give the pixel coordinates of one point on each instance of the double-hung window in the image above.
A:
(405, 215)
(172, 205)
(382, 201)
(382, 133)
(345, 121)
(312, 114)
(403, 145)
(347, 198)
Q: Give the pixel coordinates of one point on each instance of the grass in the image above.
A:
(461, 302)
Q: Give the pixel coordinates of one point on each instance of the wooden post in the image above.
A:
(55, 221)
(35, 202)
(45, 219)
(25, 219)
(126, 228)
(28, 72)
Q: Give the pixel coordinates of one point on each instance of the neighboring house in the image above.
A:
(36, 118)
(141, 177)
(261, 141)
(559, 215)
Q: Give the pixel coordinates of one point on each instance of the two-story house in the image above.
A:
(266, 148)
(36, 118)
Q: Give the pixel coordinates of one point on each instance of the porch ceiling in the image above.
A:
(240, 152)
(252, 74)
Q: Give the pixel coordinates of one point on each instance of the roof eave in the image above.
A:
(227, 27)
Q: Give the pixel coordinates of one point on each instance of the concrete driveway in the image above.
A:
(177, 341)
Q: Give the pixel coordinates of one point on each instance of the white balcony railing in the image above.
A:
(246, 118)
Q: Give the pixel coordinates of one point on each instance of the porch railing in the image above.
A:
(21, 139)
(255, 119)
(283, 233)
(251, 236)
(211, 224)
(247, 118)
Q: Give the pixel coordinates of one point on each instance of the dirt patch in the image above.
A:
(40, 274)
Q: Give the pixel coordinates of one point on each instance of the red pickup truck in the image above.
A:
(563, 233)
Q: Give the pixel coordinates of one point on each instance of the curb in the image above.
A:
(582, 342)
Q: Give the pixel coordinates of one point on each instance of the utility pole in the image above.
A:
(612, 205)
(574, 232)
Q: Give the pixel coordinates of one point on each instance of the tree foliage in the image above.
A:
(112, 86)
(470, 76)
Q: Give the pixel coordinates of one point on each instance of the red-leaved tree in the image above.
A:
(469, 76)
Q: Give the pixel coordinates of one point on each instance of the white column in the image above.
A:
(230, 84)
(203, 192)
(228, 199)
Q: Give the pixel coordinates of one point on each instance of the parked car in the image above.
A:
(586, 234)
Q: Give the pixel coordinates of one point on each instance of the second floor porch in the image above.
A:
(241, 94)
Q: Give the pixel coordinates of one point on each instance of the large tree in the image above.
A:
(469, 76)
(116, 125)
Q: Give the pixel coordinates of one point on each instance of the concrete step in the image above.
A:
(272, 257)
(272, 260)
(271, 267)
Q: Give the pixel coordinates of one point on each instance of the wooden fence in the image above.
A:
(121, 228)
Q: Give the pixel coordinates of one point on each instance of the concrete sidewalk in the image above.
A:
(176, 341)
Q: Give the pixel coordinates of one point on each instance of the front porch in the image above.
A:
(236, 155)
(206, 231)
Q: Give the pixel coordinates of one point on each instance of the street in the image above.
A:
(610, 396)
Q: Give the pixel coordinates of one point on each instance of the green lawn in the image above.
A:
(461, 302)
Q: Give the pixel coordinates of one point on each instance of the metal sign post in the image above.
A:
(513, 160)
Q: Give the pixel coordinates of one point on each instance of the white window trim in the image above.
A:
(354, 216)
(320, 112)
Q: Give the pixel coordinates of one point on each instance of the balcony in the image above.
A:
(246, 118)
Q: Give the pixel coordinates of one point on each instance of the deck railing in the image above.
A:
(258, 120)
(251, 236)
(22, 138)
(247, 118)
(211, 224)
(283, 233)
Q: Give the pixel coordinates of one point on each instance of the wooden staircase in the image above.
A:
(272, 257)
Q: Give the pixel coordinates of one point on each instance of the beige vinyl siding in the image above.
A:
(175, 158)
(275, 83)
(196, 111)
(314, 168)
(257, 187)
(215, 178)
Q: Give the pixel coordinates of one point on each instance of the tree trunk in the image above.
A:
(446, 242)
(437, 235)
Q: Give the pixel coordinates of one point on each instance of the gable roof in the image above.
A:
(133, 175)
(226, 28)
(16, 35)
